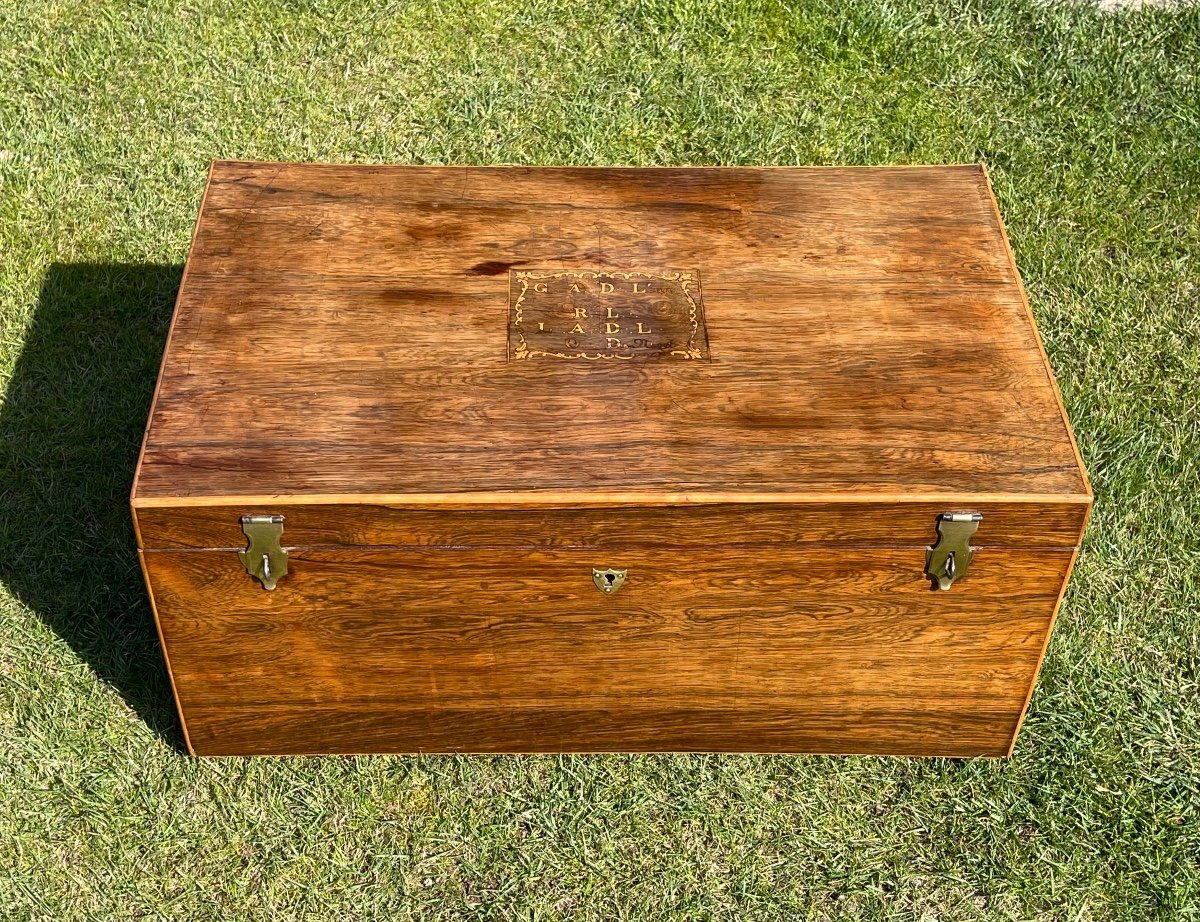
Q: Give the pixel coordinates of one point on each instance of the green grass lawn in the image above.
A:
(109, 114)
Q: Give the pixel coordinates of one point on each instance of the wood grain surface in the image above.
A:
(343, 330)
(1030, 524)
(407, 649)
(832, 729)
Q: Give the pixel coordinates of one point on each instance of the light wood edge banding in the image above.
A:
(504, 499)
(547, 167)
(187, 740)
(1012, 261)
(162, 367)
(1012, 743)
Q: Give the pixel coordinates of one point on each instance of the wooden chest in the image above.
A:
(592, 459)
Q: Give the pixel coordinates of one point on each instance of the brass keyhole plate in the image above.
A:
(608, 581)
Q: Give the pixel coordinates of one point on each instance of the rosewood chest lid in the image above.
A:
(505, 335)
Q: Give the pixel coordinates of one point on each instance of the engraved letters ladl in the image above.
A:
(598, 316)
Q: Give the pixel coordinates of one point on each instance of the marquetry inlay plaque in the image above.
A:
(618, 315)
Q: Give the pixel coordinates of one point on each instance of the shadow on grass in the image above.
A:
(70, 431)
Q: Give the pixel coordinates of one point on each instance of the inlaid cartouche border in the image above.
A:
(684, 279)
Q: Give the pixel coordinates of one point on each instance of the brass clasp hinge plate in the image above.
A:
(949, 559)
(264, 558)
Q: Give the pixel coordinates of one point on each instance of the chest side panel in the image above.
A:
(771, 649)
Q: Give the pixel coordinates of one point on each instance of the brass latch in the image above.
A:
(949, 559)
(264, 558)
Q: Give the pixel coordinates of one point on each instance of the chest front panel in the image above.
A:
(847, 646)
